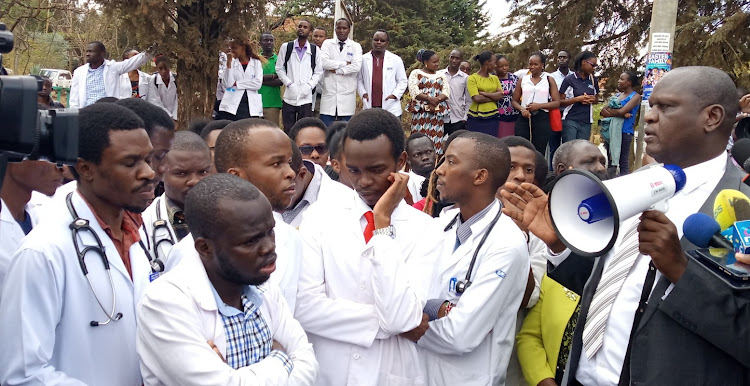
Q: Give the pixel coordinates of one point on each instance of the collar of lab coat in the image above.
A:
(477, 231)
(191, 267)
(359, 207)
(160, 81)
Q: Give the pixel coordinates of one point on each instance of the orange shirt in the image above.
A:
(131, 222)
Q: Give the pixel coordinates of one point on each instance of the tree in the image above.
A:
(617, 31)
(191, 32)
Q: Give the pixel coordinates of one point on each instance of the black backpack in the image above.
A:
(290, 48)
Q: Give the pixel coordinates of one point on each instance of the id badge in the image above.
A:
(153, 276)
(452, 285)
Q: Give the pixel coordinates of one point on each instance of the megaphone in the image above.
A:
(586, 212)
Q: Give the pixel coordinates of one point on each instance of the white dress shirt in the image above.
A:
(179, 314)
(459, 100)
(356, 298)
(605, 366)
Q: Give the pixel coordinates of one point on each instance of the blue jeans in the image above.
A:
(328, 119)
(575, 130)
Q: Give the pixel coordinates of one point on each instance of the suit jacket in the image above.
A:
(698, 335)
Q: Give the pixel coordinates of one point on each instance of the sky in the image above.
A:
(497, 10)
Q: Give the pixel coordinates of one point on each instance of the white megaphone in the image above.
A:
(586, 212)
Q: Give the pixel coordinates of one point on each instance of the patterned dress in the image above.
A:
(426, 119)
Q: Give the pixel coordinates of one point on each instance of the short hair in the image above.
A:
(99, 45)
(96, 121)
(453, 136)
(306, 21)
(230, 149)
(564, 50)
(151, 114)
(425, 55)
(515, 141)
(715, 86)
(307, 122)
(202, 202)
(126, 52)
(349, 23)
(196, 125)
(107, 100)
(492, 154)
(415, 136)
(162, 59)
(540, 169)
(500, 56)
(564, 153)
(584, 55)
(266, 33)
(387, 36)
(319, 28)
(542, 57)
(188, 141)
(214, 125)
(483, 57)
(296, 162)
(334, 143)
(372, 123)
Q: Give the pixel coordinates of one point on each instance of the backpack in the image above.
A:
(290, 48)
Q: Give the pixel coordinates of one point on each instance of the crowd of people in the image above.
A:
(338, 251)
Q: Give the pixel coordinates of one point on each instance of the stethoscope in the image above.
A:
(463, 285)
(77, 225)
(157, 264)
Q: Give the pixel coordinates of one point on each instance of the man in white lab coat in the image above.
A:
(213, 321)
(420, 152)
(362, 287)
(100, 78)
(473, 311)
(18, 216)
(63, 327)
(382, 79)
(188, 162)
(342, 60)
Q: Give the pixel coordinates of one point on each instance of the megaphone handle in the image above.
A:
(661, 206)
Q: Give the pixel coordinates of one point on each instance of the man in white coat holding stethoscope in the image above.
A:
(382, 79)
(482, 274)
(67, 314)
(342, 60)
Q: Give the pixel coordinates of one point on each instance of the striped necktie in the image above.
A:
(607, 290)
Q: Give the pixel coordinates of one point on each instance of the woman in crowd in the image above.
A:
(243, 78)
(485, 91)
(163, 89)
(535, 94)
(628, 101)
(508, 115)
(429, 91)
(578, 119)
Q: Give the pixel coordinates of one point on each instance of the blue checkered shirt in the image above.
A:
(249, 339)
(95, 85)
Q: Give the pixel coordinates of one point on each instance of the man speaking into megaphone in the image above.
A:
(647, 314)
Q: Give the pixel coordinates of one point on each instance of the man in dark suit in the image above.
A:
(666, 320)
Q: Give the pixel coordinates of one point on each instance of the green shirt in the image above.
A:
(271, 95)
(477, 83)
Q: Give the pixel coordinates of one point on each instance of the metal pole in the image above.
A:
(663, 21)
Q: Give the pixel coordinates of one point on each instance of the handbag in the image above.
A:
(555, 119)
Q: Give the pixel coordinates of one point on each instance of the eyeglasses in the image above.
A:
(589, 62)
(308, 149)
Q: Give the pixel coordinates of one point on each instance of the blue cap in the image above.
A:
(679, 177)
(698, 228)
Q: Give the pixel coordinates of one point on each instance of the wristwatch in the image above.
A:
(387, 231)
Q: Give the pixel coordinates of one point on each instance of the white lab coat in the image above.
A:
(144, 81)
(355, 299)
(47, 306)
(394, 81)
(112, 72)
(11, 235)
(220, 83)
(155, 212)
(288, 258)
(179, 314)
(299, 77)
(164, 96)
(339, 96)
(239, 81)
(331, 193)
(473, 344)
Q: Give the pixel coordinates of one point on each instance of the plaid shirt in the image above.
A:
(95, 85)
(248, 337)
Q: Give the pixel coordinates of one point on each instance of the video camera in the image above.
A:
(27, 133)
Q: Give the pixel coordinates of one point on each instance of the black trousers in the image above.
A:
(453, 127)
(291, 114)
(538, 133)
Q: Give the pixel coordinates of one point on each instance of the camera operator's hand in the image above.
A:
(657, 237)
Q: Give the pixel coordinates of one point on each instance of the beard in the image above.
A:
(231, 274)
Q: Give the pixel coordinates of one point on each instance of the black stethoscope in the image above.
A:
(77, 225)
(157, 264)
(463, 285)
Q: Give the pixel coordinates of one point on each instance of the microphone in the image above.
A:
(703, 231)
(741, 151)
(725, 207)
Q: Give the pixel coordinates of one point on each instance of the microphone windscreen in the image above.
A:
(699, 228)
(741, 151)
(741, 208)
(724, 207)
